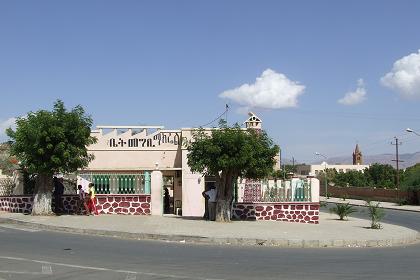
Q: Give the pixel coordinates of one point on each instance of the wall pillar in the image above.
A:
(19, 188)
(147, 182)
(314, 189)
(156, 193)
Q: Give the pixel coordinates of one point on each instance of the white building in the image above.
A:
(314, 169)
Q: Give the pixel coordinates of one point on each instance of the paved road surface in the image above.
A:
(29, 254)
(396, 217)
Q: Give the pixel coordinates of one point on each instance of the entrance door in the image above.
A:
(168, 194)
(172, 192)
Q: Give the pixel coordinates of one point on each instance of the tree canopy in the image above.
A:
(49, 142)
(377, 175)
(228, 153)
(411, 177)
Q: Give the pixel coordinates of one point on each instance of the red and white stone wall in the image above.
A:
(299, 212)
(16, 204)
(123, 204)
(105, 204)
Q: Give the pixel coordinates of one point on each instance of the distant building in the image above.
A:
(357, 156)
(314, 169)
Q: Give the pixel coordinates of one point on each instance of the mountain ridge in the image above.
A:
(407, 159)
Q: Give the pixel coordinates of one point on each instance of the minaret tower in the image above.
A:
(253, 122)
(357, 156)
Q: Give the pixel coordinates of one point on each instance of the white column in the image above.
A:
(156, 193)
(192, 187)
(314, 189)
(192, 200)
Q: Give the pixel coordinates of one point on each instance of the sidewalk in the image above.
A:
(328, 233)
(386, 205)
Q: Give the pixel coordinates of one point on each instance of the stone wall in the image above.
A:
(123, 204)
(16, 204)
(105, 204)
(379, 194)
(305, 212)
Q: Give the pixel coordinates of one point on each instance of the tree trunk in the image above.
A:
(223, 211)
(43, 195)
(224, 195)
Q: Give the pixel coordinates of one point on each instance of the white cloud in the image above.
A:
(4, 125)
(355, 97)
(404, 77)
(272, 91)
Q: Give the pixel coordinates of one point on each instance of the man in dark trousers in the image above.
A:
(210, 195)
(58, 194)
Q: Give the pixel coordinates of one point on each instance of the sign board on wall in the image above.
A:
(168, 138)
(129, 139)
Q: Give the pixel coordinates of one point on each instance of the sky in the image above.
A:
(322, 75)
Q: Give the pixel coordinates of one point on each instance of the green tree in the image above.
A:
(352, 178)
(283, 171)
(331, 174)
(411, 177)
(380, 175)
(227, 153)
(49, 142)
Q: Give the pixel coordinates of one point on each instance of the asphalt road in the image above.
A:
(396, 217)
(31, 254)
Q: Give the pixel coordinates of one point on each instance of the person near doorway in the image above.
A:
(166, 201)
(210, 195)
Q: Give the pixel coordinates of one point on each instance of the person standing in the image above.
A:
(58, 194)
(211, 197)
(166, 201)
(92, 199)
(82, 201)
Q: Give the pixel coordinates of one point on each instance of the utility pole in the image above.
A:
(282, 169)
(397, 161)
(293, 164)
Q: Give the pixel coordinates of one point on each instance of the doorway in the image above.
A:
(168, 194)
(172, 192)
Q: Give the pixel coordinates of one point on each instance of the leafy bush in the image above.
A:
(402, 201)
(376, 214)
(343, 210)
(6, 186)
(411, 177)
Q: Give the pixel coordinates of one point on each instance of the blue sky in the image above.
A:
(177, 63)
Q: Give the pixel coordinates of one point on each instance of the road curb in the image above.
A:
(191, 239)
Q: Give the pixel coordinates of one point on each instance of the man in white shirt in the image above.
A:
(211, 196)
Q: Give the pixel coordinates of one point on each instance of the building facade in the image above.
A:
(315, 169)
(143, 170)
(149, 161)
